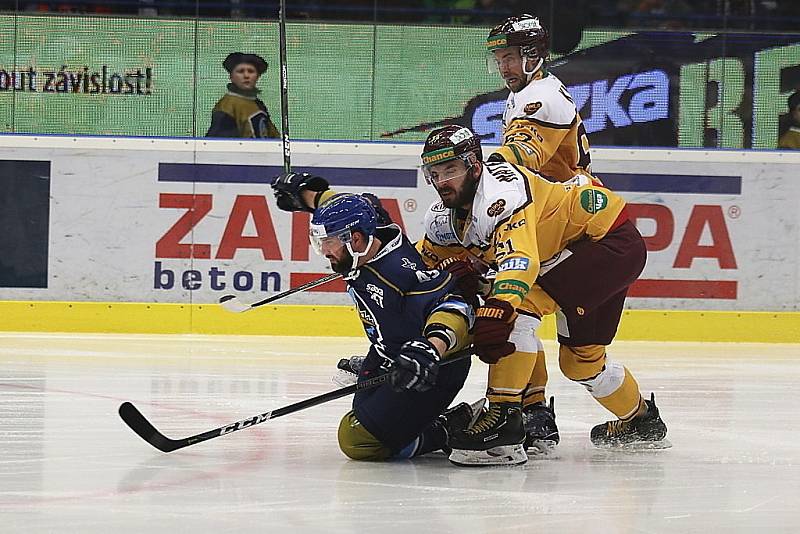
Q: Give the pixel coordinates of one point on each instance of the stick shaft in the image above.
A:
(287, 154)
(304, 287)
(144, 429)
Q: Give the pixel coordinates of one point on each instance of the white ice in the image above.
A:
(68, 463)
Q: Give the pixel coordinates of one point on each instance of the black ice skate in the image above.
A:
(496, 438)
(541, 432)
(459, 418)
(646, 431)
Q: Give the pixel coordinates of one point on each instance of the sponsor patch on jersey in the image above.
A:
(444, 237)
(514, 225)
(496, 208)
(593, 200)
(514, 264)
(532, 108)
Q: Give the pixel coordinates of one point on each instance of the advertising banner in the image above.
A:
(189, 221)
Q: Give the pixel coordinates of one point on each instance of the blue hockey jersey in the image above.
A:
(396, 296)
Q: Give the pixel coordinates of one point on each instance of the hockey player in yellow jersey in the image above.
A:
(542, 129)
(542, 238)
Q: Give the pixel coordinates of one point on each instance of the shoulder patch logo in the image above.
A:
(408, 264)
(532, 108)
(496, 208)
(426, 276)
(593, 200)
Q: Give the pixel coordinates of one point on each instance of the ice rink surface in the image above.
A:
(69, 464)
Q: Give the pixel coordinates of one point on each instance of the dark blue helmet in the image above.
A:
(339, 217)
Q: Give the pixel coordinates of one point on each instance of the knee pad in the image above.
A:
(592, 369)
(524, 334)
(357, 443)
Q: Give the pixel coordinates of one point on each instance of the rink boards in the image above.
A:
(145, 235)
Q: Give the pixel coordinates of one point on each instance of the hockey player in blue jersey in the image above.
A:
(411, 315)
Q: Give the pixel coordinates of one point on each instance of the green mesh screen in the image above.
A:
(65, 51)
(6, 62)
(160, 77)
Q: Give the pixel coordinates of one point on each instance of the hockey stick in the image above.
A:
(287, 155)
(422, 127)
(141, 426)
(233, 304)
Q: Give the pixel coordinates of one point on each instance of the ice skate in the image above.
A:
(644, 432)
(496, 438)
(541, 432)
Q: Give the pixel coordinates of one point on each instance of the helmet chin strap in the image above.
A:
(353, 273)
(536, 69)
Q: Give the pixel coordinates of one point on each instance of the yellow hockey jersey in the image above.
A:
(543, 131)
(520, 224)
(238, 115)
(791, 139)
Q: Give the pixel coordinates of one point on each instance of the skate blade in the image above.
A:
(504, 455)
(541, 448)
(637, 446)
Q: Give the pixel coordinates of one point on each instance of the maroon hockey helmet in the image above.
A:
(450, 142)
(523, 31)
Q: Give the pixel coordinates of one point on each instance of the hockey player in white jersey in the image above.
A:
(542, 129)
(547, 241)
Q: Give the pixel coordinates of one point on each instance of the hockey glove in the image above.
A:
(494, 322)
(288, 189)
(495, 157)
(383, 216)
(469, 281)
(416, 367)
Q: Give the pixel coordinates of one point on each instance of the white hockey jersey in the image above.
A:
(543, 131)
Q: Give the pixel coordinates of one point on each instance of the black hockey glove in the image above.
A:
(416, 367)
(288, 189)
(383, 216)
(494, 157)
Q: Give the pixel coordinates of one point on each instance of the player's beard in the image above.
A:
(342, 265)
(462, 197)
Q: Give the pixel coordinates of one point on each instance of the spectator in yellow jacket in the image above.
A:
(240, 113)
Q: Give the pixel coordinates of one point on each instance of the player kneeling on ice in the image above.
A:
(412, 317)
(567, 246)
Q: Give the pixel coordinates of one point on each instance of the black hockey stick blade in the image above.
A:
(137, 422)
(145, 430)
(233, 304)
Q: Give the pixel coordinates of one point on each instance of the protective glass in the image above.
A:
(509, 60)
(438, 173)
(320, 238)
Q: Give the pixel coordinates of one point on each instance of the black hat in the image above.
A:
(237, 58)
